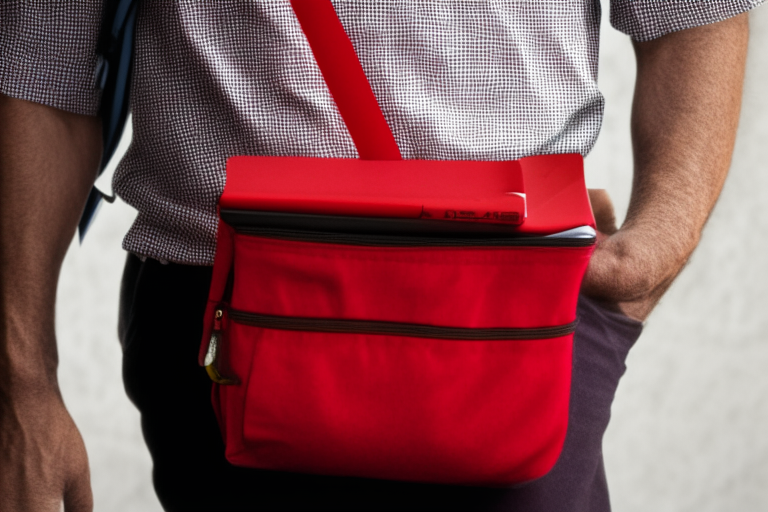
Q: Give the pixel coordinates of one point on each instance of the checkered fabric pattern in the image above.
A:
(649, 19)
(483, 80)
(48, 52)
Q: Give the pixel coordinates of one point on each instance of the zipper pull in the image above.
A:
(212, 355)
(213, 343)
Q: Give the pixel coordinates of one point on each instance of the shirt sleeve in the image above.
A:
(48, 52)
(644, 20)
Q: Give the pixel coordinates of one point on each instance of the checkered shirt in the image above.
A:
(480, 80)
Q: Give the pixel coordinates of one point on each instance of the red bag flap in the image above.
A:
(545, 193)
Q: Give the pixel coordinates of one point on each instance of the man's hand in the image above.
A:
(610, 241)
(42, 456)
(684, 120)
(48, 162)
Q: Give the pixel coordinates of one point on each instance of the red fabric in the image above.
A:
(346, 80)
(469, 412)
(555, 193)
(454, 287)
(488, 413)
(369, 188)
(466, 412)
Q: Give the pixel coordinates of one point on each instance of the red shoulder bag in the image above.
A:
(389, 318)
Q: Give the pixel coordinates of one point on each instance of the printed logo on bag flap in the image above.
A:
(471, 215)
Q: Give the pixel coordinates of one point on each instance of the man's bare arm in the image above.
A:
(684, 120)
(48, 162)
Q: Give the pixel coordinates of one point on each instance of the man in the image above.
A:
(485, 81)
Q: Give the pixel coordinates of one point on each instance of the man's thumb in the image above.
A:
(602, 208)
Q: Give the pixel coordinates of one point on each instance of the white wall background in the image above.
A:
(689, 423)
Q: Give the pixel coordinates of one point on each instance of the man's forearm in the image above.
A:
(684, 120)
(48, 161)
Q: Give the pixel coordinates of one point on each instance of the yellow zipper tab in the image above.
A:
(212, 354)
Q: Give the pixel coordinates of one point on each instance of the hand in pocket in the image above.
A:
(626, 270)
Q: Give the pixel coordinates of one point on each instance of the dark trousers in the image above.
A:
(161, 311)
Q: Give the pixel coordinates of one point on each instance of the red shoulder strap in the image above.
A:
(346, 80)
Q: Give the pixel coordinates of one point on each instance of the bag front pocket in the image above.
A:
(423, 358)
(403, 407)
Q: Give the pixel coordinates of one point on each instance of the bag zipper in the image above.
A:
(391, 232)
(398, 329)
(413, 241)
